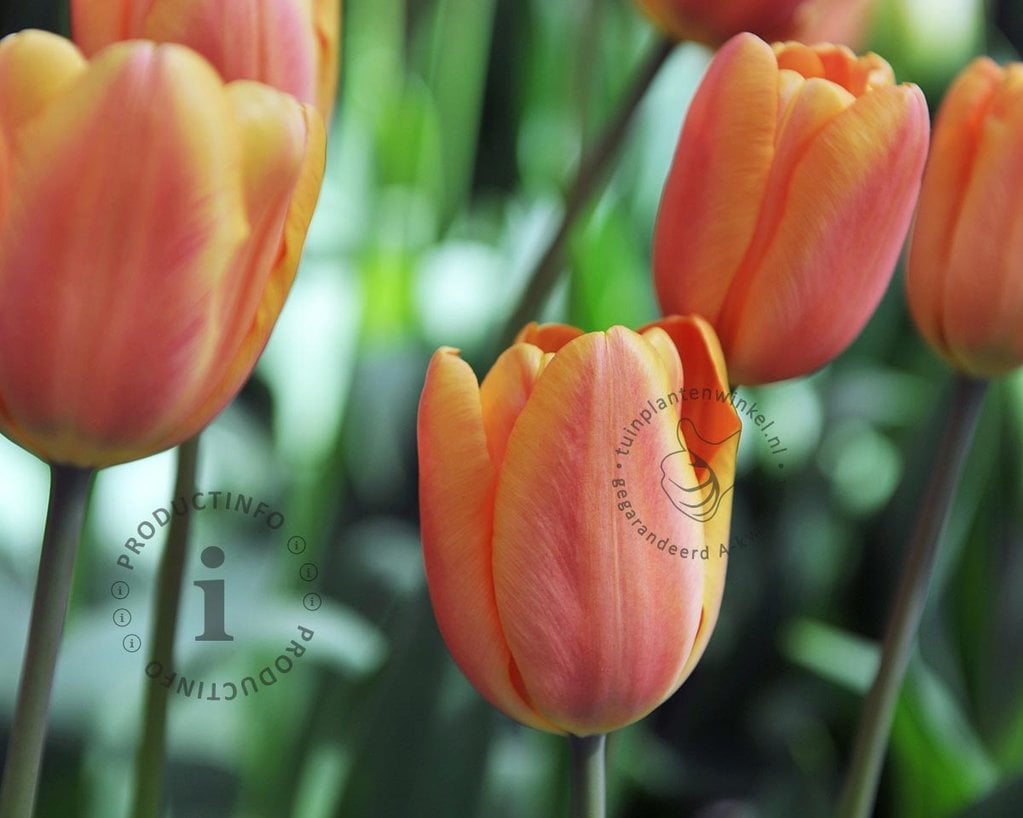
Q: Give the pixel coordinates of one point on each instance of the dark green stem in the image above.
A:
(69, 491)
(149, 760)
(591, 172)
(875, 724)
(588, 787)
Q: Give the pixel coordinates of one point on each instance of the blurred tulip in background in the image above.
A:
(787, 202)
(712, 23)
(848, 22)
(290, 44)
(151, 223)
(965, 269)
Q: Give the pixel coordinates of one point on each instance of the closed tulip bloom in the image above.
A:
(787, 202)
(965, 271)
(289, 44)
(556, 500)
(151, 220)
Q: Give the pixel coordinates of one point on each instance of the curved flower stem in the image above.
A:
(591, 172)
(149, 760)
(588, 788)
(875, 724)
(69, 491)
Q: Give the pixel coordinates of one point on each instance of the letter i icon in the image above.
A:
(213, 599)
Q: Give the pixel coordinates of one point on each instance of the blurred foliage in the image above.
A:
(459, 126)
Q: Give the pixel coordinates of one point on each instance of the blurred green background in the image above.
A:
(459, 126)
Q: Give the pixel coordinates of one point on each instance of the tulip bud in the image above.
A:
(575, 511)
(787, 202)
(965, 270)
(810, 21)
(151, 220)
(289, 44)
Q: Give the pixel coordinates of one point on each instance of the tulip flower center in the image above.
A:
(837, 64)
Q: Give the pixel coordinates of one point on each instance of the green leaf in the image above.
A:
(938, 760)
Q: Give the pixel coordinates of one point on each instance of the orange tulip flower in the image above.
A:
(788, 200)
(289, 44)
(965, 272)
(575, 511)
(712, 23)
(151, 220)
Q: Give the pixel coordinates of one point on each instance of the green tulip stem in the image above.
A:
(149, 760)
(69, 492)
(592, 169)
(588, 788)
(871, 743)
